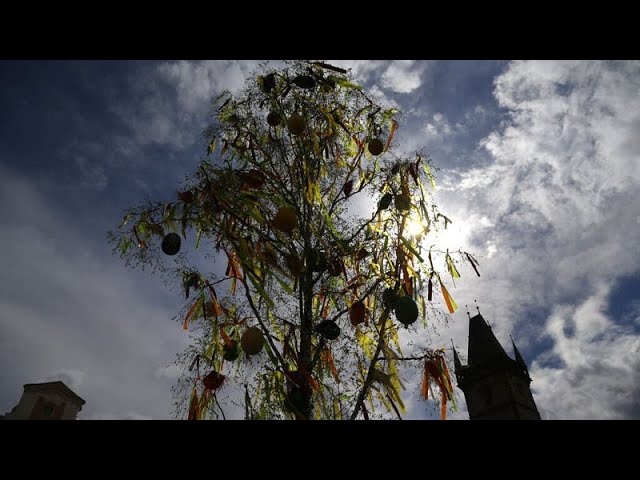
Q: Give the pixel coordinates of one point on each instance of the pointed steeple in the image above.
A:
(457, 365)
(519, 360)
(495, 386)
(484, 348)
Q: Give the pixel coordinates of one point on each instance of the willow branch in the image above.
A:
(264, 328)
(394, 406)
(421, 357)
(215, 397)
(369, 377)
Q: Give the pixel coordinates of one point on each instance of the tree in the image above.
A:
(316, 291)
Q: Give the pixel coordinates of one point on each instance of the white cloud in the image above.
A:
(363, 70)
(170, 373)
(562, 195)
(477, 114)
(174, 98)
(173, 101)
(399, 76)
(196, 83)
(403, 76)
(75, 314)
(598, 375)
(72, 378)
(440, 127)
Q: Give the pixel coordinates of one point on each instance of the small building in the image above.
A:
(46, 401)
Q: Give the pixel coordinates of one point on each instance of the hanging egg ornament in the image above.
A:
(171, 243)
(406, 310)
(213, 380)
(274, 119)
(285, 220)
(231, 352)
(304, 81)
(385, 201)
(357, 313)
(252, 341)
(328, 329)
(268, 83)
(403, 202)
(296, 124)
(376, 146)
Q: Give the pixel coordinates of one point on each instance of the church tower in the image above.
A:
(46, 401)
(495, 386)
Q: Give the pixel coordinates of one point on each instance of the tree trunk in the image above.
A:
(306, 324)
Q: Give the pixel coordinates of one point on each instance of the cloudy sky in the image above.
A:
(539, 171)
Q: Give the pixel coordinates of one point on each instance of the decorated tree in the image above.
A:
(304, 320)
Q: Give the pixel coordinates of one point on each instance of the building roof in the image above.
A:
(484, 348)
(57, 387)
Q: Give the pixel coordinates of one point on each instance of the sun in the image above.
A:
(454, 237)
(415, 226)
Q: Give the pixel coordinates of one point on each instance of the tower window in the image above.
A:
(48, 410)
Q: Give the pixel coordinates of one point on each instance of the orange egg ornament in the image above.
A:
(296, 124)
(285, 220)
(252, 341)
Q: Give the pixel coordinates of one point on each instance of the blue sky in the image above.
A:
(539, 171)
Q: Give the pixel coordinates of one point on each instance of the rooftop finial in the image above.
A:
(468, 314)
(477, 308)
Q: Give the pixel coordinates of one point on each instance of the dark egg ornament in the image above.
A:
(328, 329)
(376, 146)
(305, 81)
(385, 201)
(269, 83)
(274, 119)
(406, 310)
(231, 352)
(171, 243)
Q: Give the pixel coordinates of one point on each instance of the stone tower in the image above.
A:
(495, 386)
(46, 401)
